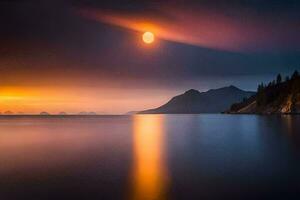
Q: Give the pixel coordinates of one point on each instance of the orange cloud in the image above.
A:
(206, 28)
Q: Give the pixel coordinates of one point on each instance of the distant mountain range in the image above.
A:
(277, 97)
(193, 101)
(62, 113)
(8, 113)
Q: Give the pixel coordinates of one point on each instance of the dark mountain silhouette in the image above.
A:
(276, 97)
(87, 113)
(91, 113)
(62, 113)
(8, 112)
(44, 113)
(131, 113)
(83, 113)
(193, 101)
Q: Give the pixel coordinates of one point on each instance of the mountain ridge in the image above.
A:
(275, 98)
(193, 101)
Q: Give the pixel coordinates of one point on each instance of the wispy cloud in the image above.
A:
(212, 28)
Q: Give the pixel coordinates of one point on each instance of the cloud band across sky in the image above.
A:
(217, 28)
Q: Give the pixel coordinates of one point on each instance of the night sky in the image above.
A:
(89, 56)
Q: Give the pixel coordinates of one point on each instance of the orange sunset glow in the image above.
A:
(149, 99)
(104, 61)
(33, 100)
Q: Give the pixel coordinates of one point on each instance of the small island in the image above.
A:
(44, 113)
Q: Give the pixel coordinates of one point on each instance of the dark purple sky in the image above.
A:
(87, 44)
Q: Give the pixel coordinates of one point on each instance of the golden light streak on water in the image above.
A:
(149, 170)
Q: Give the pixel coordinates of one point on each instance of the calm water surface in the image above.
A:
(150, 157)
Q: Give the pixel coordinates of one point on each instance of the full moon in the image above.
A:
(148, 37)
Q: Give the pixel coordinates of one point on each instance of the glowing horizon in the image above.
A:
(34, 100)
(91, 57)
